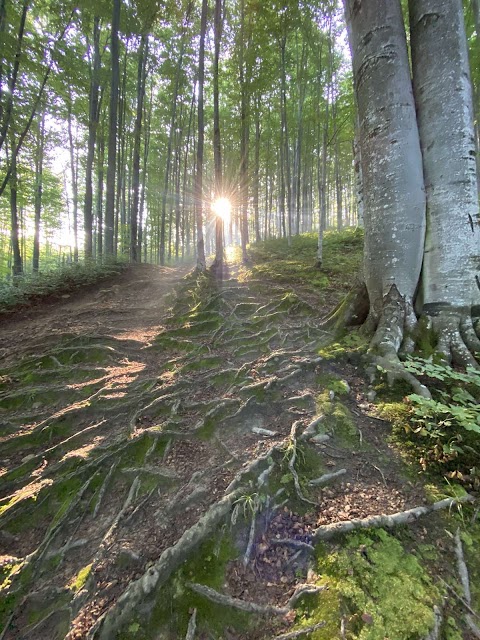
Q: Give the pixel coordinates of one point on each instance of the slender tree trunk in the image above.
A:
(100, 174)
(74, 179)
(217, 146)
(244, 140)
(94, 113)
(201, 263)
(7, 114)
(38, 192)
(112, 131)
(137, 135)
(17, 254)
(256, 178)
(286, 143)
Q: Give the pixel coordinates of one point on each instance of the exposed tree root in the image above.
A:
(326, 478)
(352, 311)
(292, 460)
(328, 531)
(388, 340)
(457, 341)
(304, 590)
(192, 626)
(465, 582)
(236, 603)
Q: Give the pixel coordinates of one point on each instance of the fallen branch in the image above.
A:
(236, 603)
(328, 531)
(301, 632)
(465, 580)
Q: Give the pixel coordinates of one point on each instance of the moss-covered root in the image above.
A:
(157, 575)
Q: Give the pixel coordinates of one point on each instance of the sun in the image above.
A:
(222, 208)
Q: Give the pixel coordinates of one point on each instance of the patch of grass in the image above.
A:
(274, 260)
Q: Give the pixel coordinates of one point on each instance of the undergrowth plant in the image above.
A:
(448, 424)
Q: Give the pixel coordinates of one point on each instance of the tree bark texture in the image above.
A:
(445, 118)
(391, 159)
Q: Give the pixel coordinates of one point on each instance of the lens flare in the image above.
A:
(222, 208)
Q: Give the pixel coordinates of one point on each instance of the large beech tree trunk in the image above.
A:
(394, 197)
(392, 168)
(443, 95)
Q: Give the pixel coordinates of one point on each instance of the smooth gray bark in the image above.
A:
(445, 120)
(391, 159)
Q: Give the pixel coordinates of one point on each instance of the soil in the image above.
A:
(117, 438)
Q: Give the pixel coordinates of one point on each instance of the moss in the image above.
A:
(80, 579)
(338, 421)
(382, 590)
(333, 383)
(350, 346)
(175, 601)
(205, 363)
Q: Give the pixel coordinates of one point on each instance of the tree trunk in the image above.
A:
(38, 192)
(445, 118)
(74, 179)
(94, 113)
(137, 135)
(390, 152)
(244, 138)
(112, 131)
(17, 254)
(217, 147)
(201, 263)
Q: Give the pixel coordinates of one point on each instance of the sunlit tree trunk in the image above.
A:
(74, 181)
(201, 263)
(217, 147)
(445, 117)
(134, 213)
(390, 152)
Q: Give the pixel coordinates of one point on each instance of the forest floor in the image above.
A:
(172, 447)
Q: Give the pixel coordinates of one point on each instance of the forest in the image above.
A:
(239, 319)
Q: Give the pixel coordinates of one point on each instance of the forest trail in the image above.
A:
(153, 439)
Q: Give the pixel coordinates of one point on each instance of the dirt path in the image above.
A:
(146, 449)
